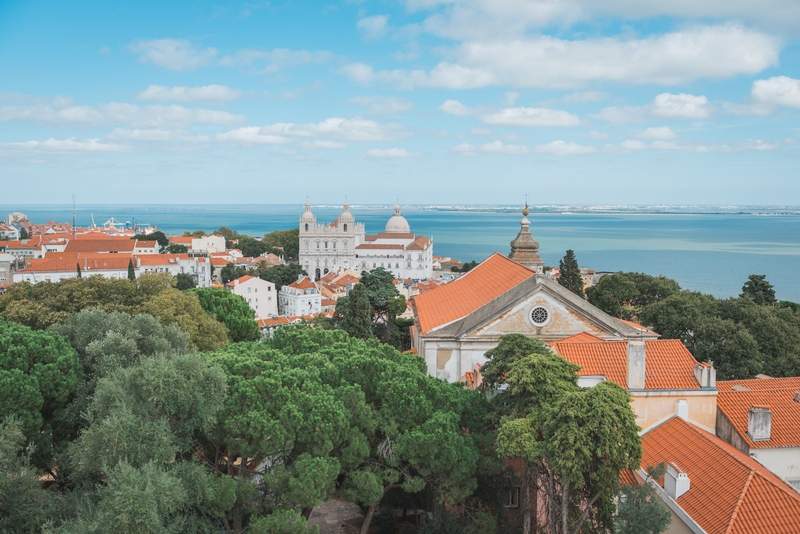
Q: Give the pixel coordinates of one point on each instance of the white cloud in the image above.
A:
(70, 145)
(183, 93)
(581, 97)
(104, 51)
(454, 107)
(60, 112)
(698, 147)
(674, 58)
(495, 147)
(173, 54)
(531, 117)
(157, 135)
(251, 135)
(275, 59)
(660, 132)
(382, 105)
(356, 129)
(562, 148)
(665, 105)
(632, 144)
(778, 90)
(480, 131)
(373, 27)
(382, 153)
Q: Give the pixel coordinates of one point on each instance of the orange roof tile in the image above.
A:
(305, 283)
(760, 384)
(160, 259)
(101, 245)
(175, 240)
(583, 337)
(241, 280)
(668, 364)
(273, 321)
(785, 431)
(420, 243)
(635, 325)
(104, 262)
(478, 287)
(730, 492)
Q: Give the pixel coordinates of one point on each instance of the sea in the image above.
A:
(708, 249)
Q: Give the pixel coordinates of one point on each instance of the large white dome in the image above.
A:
(398, 224)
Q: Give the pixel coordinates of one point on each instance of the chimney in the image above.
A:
(759, 423)
(682, 409)
(636, 364)
(797, 396)
(300, 278)
(676, 482)
(706, 375)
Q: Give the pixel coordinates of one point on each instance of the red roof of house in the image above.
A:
(101, 245)
(88, 263)
(420, 243)
(304, 283)
(241, 280)
(478, 287)
(176, 240)
(730, 493)
(668, 364)
(777, 394)
(160, 259)
(273, 321)
(582, 337)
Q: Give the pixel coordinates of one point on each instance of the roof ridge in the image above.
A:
(741, 499)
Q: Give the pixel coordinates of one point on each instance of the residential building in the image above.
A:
(8, 232)
(198, 267)
(301, 297)
(661, 376)
(259, 294)
(712, 487)
(146, 247)
(343, 244)
(761, 418)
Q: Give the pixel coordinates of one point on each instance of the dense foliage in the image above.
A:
(570, 273)
(231, 310)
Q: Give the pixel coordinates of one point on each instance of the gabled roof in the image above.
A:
(735, 404)
(450, 302)
(582, 337)
(668, 364)
(88, 263)
(304, 283)
(420, 243)
(730, 492)
(101, 245)
(160, 259)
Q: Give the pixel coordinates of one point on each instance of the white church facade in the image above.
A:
(344, 244)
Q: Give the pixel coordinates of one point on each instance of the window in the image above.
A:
(248, 290)
(334, 245)
(306, 227)
(512, 499)
(539, 316)
(396, 265)
(326, 244)
(345, 227)
(317, 245)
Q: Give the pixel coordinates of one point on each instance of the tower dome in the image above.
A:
(346, 216)
(524, 248)
(307, 216)
(397, 223)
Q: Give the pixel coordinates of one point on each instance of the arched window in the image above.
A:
(317, 245)
(345, 227)
(306, 227)
(326, 244)
(334, 244)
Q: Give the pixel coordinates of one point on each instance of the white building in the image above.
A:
(301, 297)
(8, 232)
(343, 244)
(259, 294)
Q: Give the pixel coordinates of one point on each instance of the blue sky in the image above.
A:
(425, 101)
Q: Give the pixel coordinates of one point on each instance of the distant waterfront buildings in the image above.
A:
(344, 244)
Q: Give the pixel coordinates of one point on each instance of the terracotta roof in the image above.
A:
(760, 383)
(627, 477)
(241, 280)
(101, 245)
(420, 243)
(785, 430)
(392, 235)
(668, 364)
(478, 287)
(273, 321)
(329, 302)
(730, 492)
(145, 244)
(104, 262)
(160, 259)
(583, 337)
(175, 240)
(635, 325)
(216, 262)
(214, 283)
(424, 287)
(305, 283)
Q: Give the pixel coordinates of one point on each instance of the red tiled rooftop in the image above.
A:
(785, 430)
(101, 245)
(379, 247)
(420, 243)
(583, 337)
(668, 364)
(160, 259)
(760, 384)
(730, 492)
(478, 287)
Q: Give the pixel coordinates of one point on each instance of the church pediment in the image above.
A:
(538, 307)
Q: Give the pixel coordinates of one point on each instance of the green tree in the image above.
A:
(23, 233)
(23, 502)
(625, 295)
(184, 281)
(175, 249)
(385, 301)
(758, 289)
(641, 510)
(184, 309)
(570, 273)
(252, 247)
(158, 236)
(286, 240)
(357, 319)
(232, 311)
(231, 272)
(282, 275)
(131, 271)
(39, 372)
(465, 267)
(197, 234)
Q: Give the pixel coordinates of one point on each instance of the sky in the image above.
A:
(416, 101)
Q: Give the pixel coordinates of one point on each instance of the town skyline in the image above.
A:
(672, 103)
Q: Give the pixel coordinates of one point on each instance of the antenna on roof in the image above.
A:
(73, 215)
